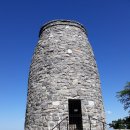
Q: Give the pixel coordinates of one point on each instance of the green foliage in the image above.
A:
(121, 123)
(124, 96)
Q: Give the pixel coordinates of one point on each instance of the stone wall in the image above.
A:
(63, 67)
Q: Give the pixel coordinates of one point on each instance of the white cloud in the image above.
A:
(108, 112)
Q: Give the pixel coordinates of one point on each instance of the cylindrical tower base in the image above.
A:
(63, 67)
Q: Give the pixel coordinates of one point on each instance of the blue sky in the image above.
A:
(108, 26)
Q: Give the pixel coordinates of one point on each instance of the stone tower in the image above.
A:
(63, 67)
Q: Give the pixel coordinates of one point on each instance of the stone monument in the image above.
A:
(63, 67)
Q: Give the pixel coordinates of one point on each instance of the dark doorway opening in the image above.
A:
(75, 114)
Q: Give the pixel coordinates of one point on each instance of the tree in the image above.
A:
(121, 123)
(124, 96)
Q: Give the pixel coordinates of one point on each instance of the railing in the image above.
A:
(59, 124)
(104, 124)
(90, 118)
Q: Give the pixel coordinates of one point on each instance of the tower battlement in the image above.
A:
(62, 22)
